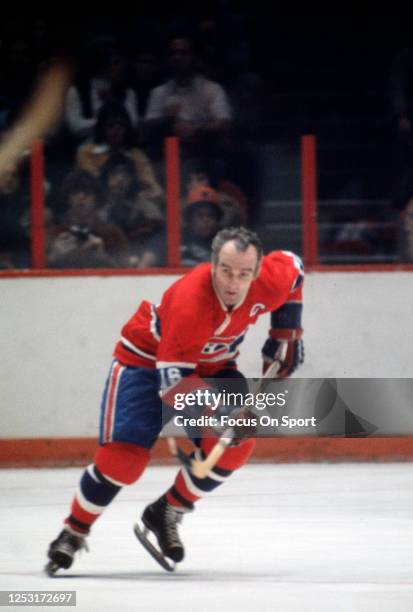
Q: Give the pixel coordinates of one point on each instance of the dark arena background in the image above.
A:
(297, 127)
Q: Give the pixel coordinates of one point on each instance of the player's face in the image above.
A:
(234, 272)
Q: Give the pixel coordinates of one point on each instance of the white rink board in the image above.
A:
(287, 538)
(57, 337)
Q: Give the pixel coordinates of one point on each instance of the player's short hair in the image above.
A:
(242, 237)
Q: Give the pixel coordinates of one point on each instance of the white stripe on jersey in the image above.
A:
(176, 364)
(136, 350)
(154, 318)
(222, 357)
(223, 325)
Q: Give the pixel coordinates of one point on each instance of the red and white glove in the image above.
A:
(272, 348)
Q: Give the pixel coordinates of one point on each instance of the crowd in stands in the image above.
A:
(197, 76)
(105, 180)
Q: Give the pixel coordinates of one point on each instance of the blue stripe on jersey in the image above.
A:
(298, 281)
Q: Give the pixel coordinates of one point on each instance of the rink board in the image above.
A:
(80, 451)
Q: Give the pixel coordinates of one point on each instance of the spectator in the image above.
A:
(113, 135)
(202, 217)
(14, 215)
(83, 240)
(126, 205)
(231, 199)
(190, 106)
(89, 94)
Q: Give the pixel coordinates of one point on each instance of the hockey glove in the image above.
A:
(295, 351)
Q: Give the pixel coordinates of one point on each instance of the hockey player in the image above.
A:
(195, 332)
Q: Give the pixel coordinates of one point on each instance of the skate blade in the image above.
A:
(51, 568)
(142, 536)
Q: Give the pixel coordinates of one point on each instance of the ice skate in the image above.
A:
(161, 518)
(63, 549)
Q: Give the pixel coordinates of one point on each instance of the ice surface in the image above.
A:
(303, 537)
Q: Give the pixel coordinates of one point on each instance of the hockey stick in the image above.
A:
(200, 469)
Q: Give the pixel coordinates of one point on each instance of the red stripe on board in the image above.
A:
(53, 273)
(362, 267)
(46, 452)
(105, 272)
(114, 376)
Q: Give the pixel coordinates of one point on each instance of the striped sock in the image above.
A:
(187, 489)
(94, 494)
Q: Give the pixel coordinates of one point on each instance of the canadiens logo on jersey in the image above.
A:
(219, 348)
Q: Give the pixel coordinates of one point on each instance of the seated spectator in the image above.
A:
(231, 199)
(113, 135)
(90, 93)
(15, 249)
(189, 105)
(83, 240)
(205, 212)
(126, 205)
(202, 216)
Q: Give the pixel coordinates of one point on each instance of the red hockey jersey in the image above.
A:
(192, 331)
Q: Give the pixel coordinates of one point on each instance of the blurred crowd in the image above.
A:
(206, 76)
(105, 174)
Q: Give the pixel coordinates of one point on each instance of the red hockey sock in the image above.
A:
(187, 489)
(121, 462)
(116, 464)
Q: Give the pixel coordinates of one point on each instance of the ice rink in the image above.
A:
(336, 537)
